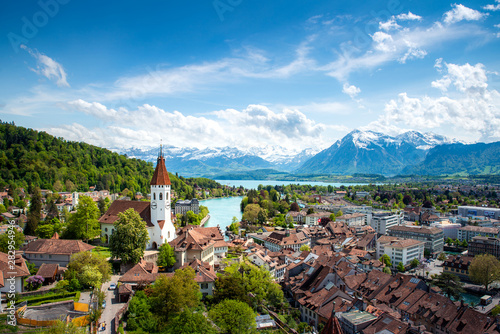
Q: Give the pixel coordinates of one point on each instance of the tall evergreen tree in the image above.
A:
(34, 213)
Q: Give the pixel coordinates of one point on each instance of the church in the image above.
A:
(157, 213)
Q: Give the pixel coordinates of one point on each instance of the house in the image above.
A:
(458, 265)
(205, 276)
(260, 258)
(385, 323)
(276, 241)
(18, 271)
(142, 273)
(298, 217)
(50, 251)
(315, 218)
(50, 272)
(355, 321)
(192, 243)
(156, 214)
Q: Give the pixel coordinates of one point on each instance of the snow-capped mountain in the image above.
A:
(372, 152)
(213, 161)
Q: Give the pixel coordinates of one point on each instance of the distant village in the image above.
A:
(346, 268)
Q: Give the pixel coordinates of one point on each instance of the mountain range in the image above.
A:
(359, 152)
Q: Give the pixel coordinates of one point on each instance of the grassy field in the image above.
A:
(104, 251)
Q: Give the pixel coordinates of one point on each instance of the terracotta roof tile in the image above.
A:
(56, 246)
(48, 270)
(160, 176)
(119, 206)
(20, 267)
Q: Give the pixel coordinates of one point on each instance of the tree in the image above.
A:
(233, 316)
(450, 285)
(294, 207)
(171, 295)
(84, 223)
(190, 322)
(128, 242)
(89, 269)
(251, 213)
(305, 248)
(18, 238)
(63, 327)
(484, 269)
(166, 256)
(45, 231)
(139, 315)
(339, 213)
(242, 279)
(387, 270)
(262, 217)
(34, 213)
(2, 208)
(449, 241)
(401, 267)
(442, 257)
(385, 259)
(414, 263)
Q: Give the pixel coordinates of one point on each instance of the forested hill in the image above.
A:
(31, 158)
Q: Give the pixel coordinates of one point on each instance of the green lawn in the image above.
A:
(104, 251)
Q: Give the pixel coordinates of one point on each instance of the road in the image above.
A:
(112, 306)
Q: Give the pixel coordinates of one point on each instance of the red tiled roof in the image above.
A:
(48, 270)
(160, 176)
(56, 246)
(118, 206)
(20, 268)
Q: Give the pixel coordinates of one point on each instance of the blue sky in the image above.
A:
(294, 74)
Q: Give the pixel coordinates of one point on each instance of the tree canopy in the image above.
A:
(190, 322)
(84, 223)
(450, 285)
(484, 269)
(128, 242)
(233, 317)
(166, 256)
(90, 269)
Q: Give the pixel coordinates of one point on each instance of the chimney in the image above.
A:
(333, 309)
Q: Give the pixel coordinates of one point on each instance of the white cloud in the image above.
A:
(409, 17)
(48, 67)
(383, 42)
(350, 90)
(254, 126)
(461, 13)
(389, 25)
(470, 108)
(493, 7)
(439, 64)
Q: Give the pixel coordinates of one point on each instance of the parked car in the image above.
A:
(112, 286)
(104, 304)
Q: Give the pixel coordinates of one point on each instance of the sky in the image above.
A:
(291, 74)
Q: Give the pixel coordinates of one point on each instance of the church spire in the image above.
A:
(160, 176)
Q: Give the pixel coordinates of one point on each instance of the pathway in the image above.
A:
(112, 306)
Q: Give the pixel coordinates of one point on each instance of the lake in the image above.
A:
(222, 211)
(253, 184)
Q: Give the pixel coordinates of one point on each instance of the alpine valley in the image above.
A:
(359, 152)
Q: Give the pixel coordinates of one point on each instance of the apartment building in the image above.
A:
(432, 236)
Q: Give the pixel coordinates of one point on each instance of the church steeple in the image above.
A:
(160, 176)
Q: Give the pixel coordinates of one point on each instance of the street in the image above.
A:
(112, 306)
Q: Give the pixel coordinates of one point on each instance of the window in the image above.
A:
(154, 196)
(161, 197)
(106, 229)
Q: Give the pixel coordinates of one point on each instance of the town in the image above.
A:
(315, 260)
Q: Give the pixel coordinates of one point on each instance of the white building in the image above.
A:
(315, 218)
(450, 230)
(353, 219)
(400, 250)
(277, 241)
(381, 221)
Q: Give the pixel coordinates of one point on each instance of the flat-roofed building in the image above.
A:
(472, 211)
(450, 229)
(469, 232)
(353, 219)
(400, 250)
(484, 245)
(432, 236)
(381, 221)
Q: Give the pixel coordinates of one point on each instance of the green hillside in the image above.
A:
(460, 159)
(30, 158)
